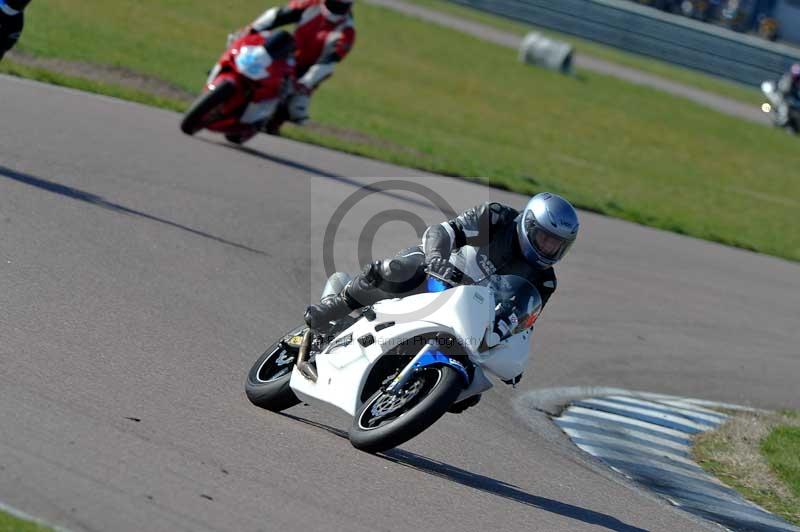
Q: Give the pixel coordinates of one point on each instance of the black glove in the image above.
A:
(441, 268)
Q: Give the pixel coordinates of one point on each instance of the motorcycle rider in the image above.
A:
(273, 64)
(789, 90)
(12, 19)
(324, 35)
(527, 243)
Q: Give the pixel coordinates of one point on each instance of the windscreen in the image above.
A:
(517, 303)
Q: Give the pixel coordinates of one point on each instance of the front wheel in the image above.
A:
(196, 117)
(386, 420)
(267, 384)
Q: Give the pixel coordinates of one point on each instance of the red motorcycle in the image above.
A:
(255, 69)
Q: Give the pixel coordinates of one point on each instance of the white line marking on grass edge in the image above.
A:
(19, 514)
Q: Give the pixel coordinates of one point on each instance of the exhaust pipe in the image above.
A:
(306, 368)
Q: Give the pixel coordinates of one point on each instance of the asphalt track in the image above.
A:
(143, 271)
(719, 103)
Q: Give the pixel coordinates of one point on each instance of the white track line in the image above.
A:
(19, 514)
(621, 442)
(711, 418)
(728, 406)
(603, 424)
(681, 403)
(630, 421)
(636, 463)
(650, 413)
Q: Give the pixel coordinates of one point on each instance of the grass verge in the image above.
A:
(9, 523)
(13, 68)
(706, 82)
(418, 95)
(758, 455)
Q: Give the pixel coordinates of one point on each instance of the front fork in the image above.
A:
(427, 356)
(212, 75)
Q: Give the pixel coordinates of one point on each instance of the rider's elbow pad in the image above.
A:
(438, 241)
(267, 19)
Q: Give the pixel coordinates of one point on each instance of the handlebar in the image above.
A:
(438, 283)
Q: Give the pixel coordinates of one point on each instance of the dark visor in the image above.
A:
(336, 7)
(547, 244)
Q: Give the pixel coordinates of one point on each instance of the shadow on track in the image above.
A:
(99, 201)
(319, 172)
(488, 484)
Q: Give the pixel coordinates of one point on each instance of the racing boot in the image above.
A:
(332, 308)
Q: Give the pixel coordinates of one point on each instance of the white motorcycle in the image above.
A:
(783, 115)
(400, 365)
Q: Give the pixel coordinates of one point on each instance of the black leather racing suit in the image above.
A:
(10, 28)
(789, 88)
(491, 228)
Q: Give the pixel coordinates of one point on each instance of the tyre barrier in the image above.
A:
(536, 49)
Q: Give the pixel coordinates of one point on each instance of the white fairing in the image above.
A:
(770, 91)
(466, 312)
(257, 112)
(253, 61)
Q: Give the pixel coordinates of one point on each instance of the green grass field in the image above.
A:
(758, 454)
(736, 91)
(9, 523)
(782, 450)
(435, 99)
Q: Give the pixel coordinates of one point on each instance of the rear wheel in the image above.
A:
(386, 420)
(267, 384)
(240, 138)
(197, 117)
(273, 125)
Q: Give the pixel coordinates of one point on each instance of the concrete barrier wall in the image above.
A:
(650, 32)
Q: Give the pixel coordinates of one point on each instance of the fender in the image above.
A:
(224, 75)
(231, 111)
(436, 358)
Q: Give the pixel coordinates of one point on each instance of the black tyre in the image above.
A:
(267, 384)
(196, 118)
(385, 421)
(235, 138)
(273, 125)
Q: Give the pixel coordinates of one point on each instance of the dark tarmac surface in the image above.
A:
(142, 272)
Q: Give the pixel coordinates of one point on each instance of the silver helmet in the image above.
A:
(547, 228)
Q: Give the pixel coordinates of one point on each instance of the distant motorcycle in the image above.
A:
(397, 369)
(254, 68)
(783, 114)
